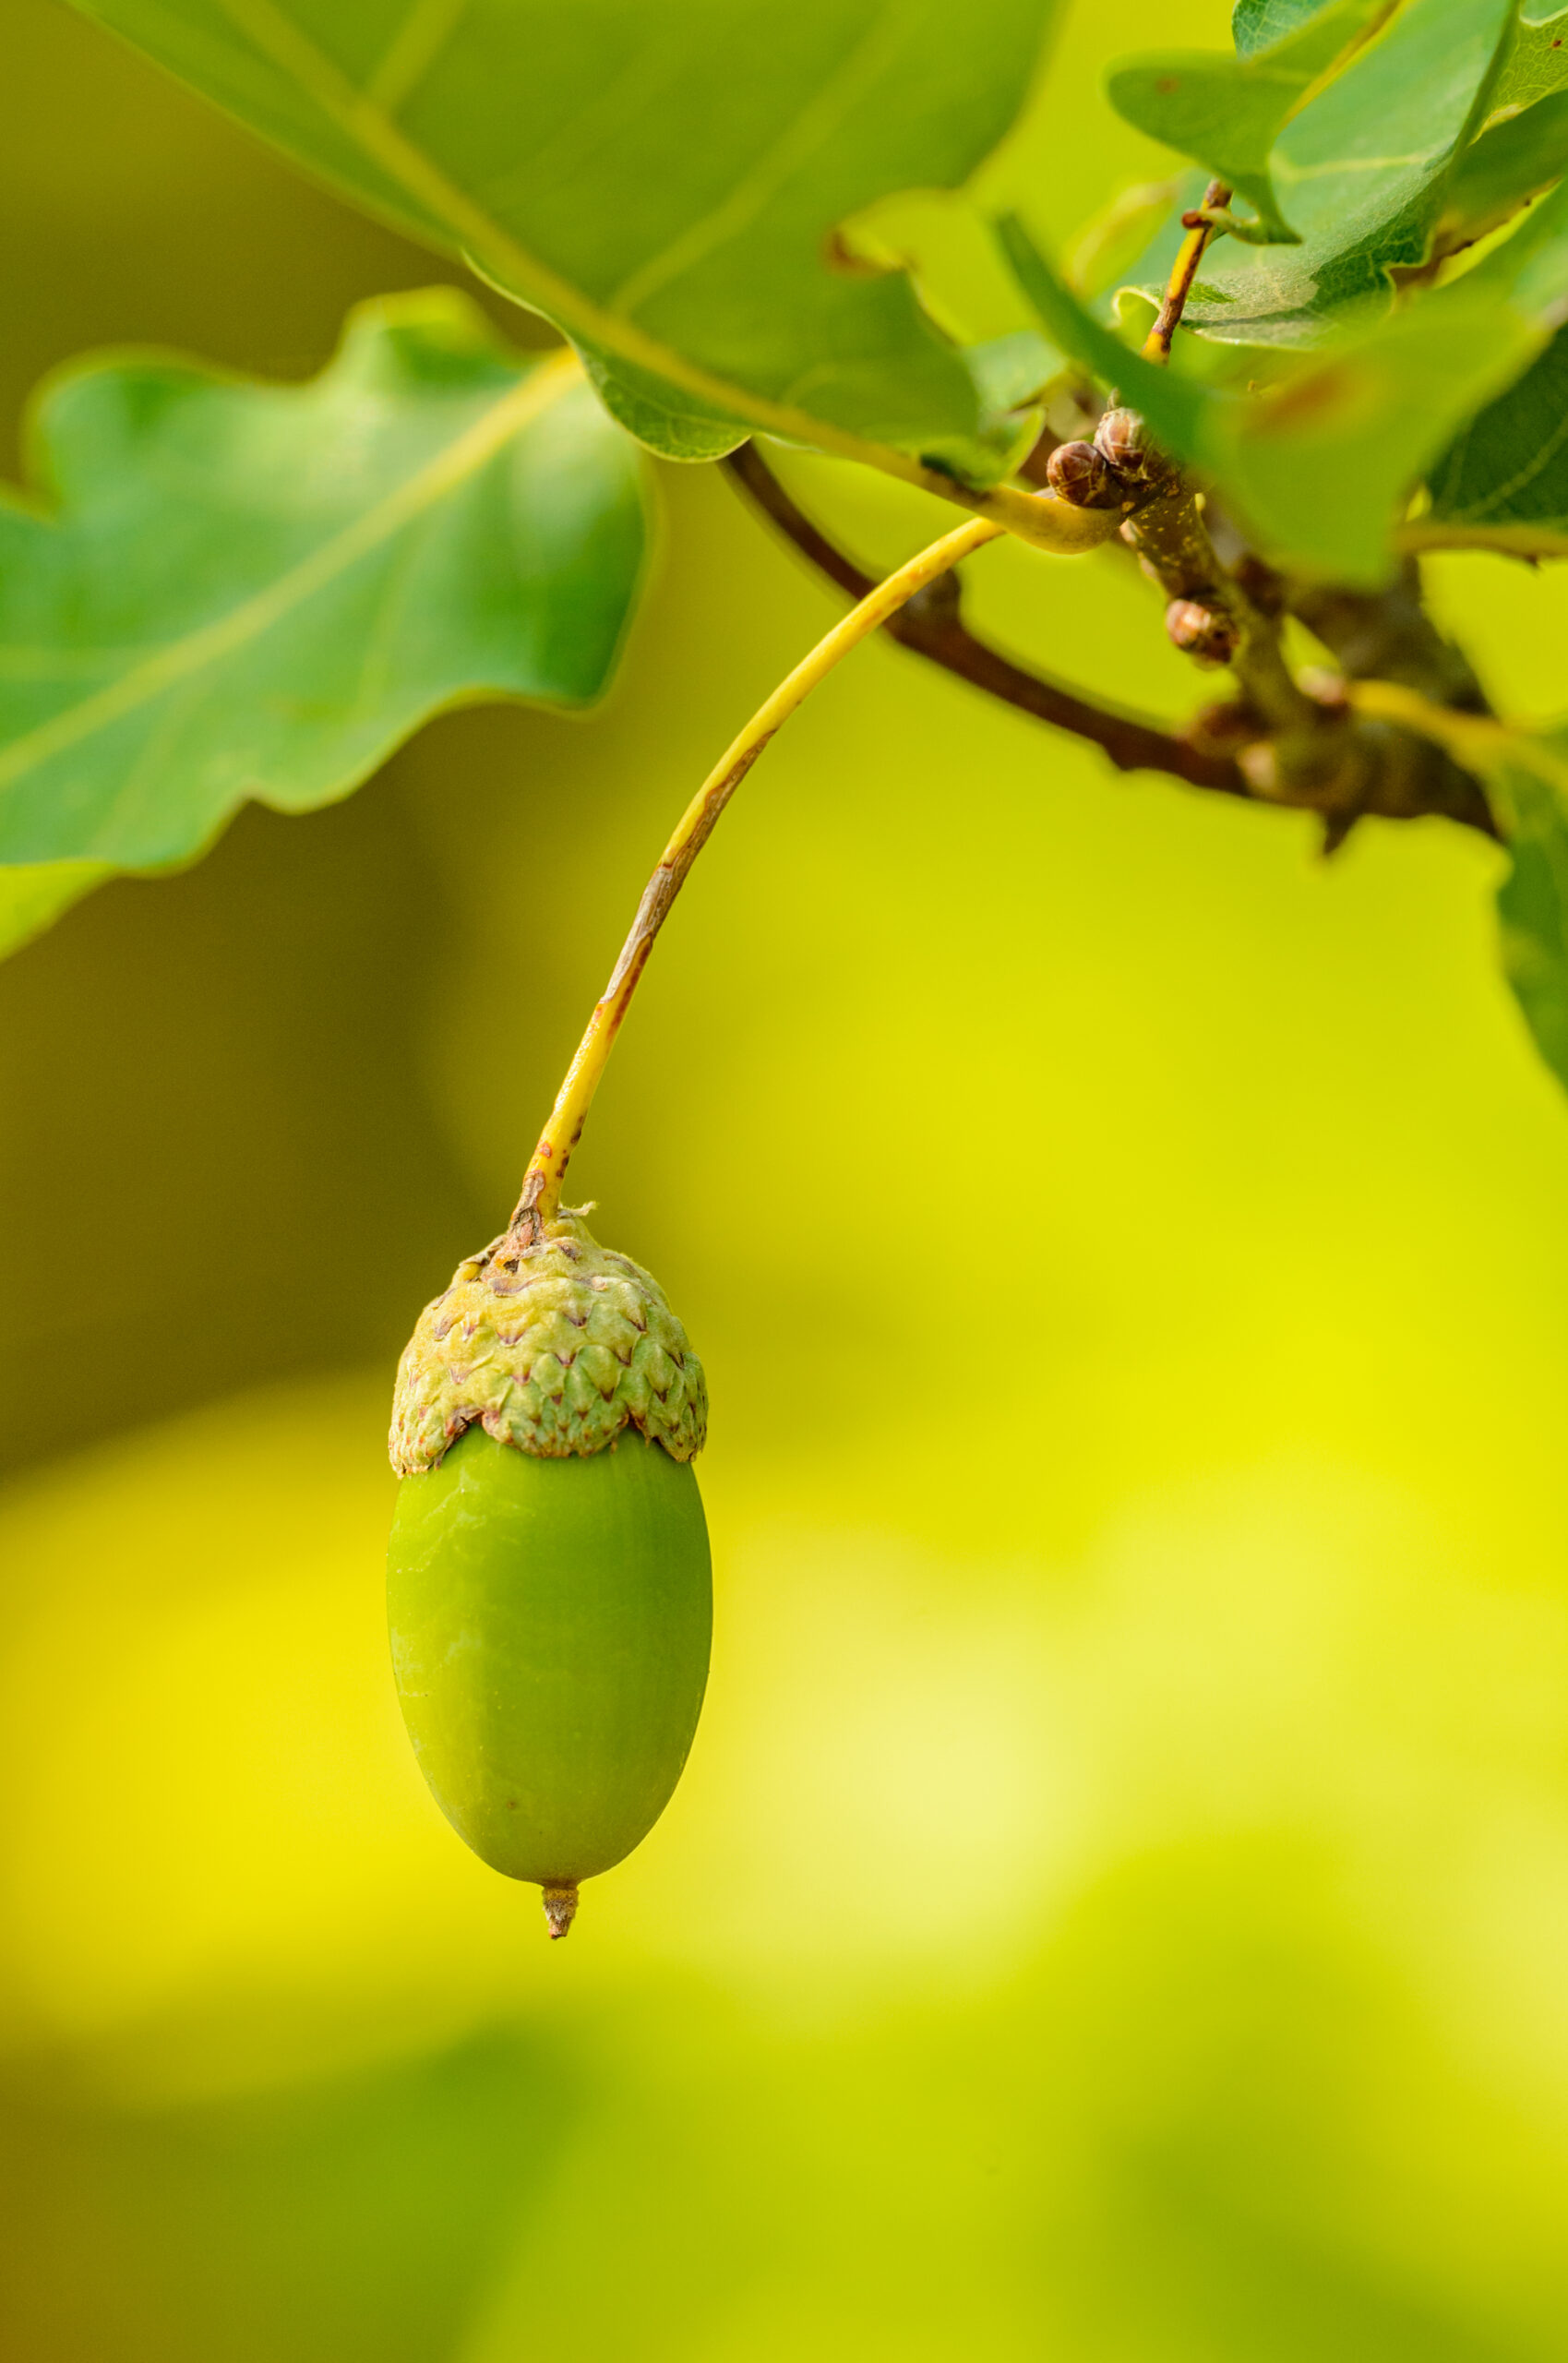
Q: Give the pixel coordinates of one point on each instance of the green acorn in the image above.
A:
(549, 1587)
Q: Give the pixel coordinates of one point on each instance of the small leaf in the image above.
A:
(1229, 112)
(664, 181)
(1526, 777)
(1532, 906)
(1535, 62)
(1503, 484)
(1258, 24)
(1523, 145)
(1526, 774)
(252, 591)
(1362, 174)
(1507, 165)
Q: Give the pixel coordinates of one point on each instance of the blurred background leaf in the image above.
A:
(256, 591)
(1117, 1900)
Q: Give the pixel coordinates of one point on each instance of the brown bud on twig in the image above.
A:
(1078, 475)
(1199, 632)
(1123, 442)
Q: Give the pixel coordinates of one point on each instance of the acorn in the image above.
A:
(549, 1584)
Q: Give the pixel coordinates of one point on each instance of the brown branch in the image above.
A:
(1321, 757)
(933, 627)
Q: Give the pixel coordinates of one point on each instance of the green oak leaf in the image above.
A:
(1526, 774)
(1319, 467)
(1532, 903)
(1512, 162)
(1230, 111)
(1535, 63)
(1503, 482)
(1526, 778)
(1523, 145)
(664, 182)
(1259, 24)
(1362, 173)
(225, 590)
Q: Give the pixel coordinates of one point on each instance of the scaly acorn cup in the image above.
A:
(549, 1587)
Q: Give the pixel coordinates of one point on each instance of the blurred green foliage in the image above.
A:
(1116, 1907)
(255, 592)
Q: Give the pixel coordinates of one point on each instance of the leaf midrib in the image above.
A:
(500, 255)
(273, 32)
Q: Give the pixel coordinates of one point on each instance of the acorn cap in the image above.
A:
(553, 1348)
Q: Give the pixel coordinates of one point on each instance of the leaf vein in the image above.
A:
(413, 51)
(813, 126)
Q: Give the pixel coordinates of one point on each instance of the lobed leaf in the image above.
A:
(1229, 113)
(663, 182)
(256, 591)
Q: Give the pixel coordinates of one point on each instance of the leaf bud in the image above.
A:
(1199, 631)
(1077, 474)
(1124, 443)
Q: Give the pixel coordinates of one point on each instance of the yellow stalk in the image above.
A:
(538, 1205)
(1476, 741)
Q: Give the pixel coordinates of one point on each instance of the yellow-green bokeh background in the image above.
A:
(1118, 1906)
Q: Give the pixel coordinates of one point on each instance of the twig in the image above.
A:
(537, 1206)
(1323, 766)
(1171, 536)
(933, 627)
(1184, 271)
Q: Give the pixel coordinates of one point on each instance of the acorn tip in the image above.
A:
(560, 1908)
